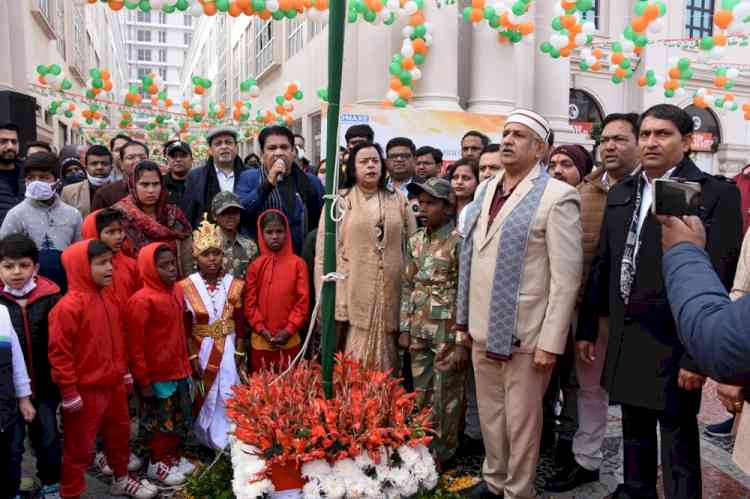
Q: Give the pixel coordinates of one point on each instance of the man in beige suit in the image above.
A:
(98, 164)
(520, 272)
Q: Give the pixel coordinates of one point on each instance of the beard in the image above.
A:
(8, 157)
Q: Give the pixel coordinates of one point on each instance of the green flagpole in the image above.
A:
(335, 61)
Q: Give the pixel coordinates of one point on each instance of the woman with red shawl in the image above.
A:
(149, 218)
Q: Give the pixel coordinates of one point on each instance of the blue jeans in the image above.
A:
(45, 440)
(11, 455)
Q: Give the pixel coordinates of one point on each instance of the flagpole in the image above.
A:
(336, 28)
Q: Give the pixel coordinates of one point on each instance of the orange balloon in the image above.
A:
(168, 103)
(671, 84)
(292, 89)
(699, 101)
(651, 12)
(234, 10)
(41, 79)
(107, 85)
(243, 4)
(407, 63)
(104, 75)
(617, 58)
(674, 73)
(116, 5)
(720, 39)
(639, 24)
(729, 97)
(565, 52)
(476, 15)
(154, 100)
(618, 72)
(321, 4)
(396, 84)
(153, 89)
(286, 4)
(720, 81)
(416, 19)
(638, 50)
(505, 20)
(209, 8)
(387, 103)
(568, 21)
(185, 104)
(71, 107)
(96, 115)
(477, 4)
(199, 90)
(265, 15)
(280, 109)
(237, 115)
(723, 18)
(288, 96)
(568, 5)
(419, 46)
(642, 81)
(598, 53)
(526, 28)
(405, 93)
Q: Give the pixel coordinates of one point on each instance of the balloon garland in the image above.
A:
(509, 17)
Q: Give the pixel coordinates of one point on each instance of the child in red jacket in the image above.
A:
(157, 346)
(89, 364)
(106, 225)
(277, 298)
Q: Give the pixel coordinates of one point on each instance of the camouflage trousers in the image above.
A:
(442, 388)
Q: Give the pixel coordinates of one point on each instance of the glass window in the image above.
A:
(699, 18)
(593, 14)
(163, 74)
(296, 37)
(187, 19)
(315, 28)
(188, 38)
(162, 36)
(162, 18)
(162, 55)
(263, 45)
(144, 54)
(144, 17)
(143, 35)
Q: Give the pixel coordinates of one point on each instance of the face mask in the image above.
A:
(99, 181)
(300, 153)
(25, 290)
(74, 177)
(40, 191)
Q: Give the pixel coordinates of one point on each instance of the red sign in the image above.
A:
(702, 142)
(582, 127)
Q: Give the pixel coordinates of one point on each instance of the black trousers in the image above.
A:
(680, 453)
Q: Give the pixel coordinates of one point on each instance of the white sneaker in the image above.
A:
(100, 462)
(184, 466)
(166, 474)
(134, 462)
(129, 486)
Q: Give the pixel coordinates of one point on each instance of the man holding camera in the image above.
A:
(647, 370)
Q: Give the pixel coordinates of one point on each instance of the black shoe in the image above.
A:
(723, 429)
(469, 447)
(571, 476)
(564, 456)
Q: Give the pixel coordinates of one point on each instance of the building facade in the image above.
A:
(467, 69)
(76, 37)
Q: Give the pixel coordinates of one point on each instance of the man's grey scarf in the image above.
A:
(503, 313)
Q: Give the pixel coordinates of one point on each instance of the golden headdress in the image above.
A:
(206, 236)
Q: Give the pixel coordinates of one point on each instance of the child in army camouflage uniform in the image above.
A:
(239, 250)
(428, 300)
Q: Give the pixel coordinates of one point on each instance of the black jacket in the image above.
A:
(32, 328)
(12, 190)
(644, 353)
(201, 186)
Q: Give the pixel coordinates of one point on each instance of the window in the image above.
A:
(144, 72)
(163, 74)
(315, 28)
(236, 71)
(699, 18)
(60, 25)
(144, 54)
(187, 20)
(593, 14)
(188, 38)
(249, 51)
(296, 37)
(143, 35)
(162, 55)
(162, 18)
(162, 36)
(263, 45)
(144, 17)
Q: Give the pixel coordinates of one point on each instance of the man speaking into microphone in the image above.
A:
(282, 185)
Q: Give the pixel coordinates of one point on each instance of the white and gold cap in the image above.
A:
(532, 120)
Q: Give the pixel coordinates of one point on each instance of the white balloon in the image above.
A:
(588, 28)
(416, 74)
(407, 50)
(559, 10)
(428, 39)
(717, 52)
(628, 46)
(272, 5)
(500, 9)
(196, 10)
(254, 91)
(701, 92)
(591, 60)
(411, 7)
(324, 16)
(312, 14)
(391, 95)
(656, 26)
(742, 10)
(385, 13)
(709, 98)
(407, 31)
(580, 39)
(158, 4)
(586, 52)
(393, 4)
(428, 27)
(680, 92)
(733, 73)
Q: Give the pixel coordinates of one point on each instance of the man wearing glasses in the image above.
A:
(400, 157)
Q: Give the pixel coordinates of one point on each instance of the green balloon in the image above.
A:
(707, 43)
(391, 19)
(196, 80)
(629, 34)
(97, 83)
(95, 73)
(168, 9)
(584, 5)
(494, 22)
(55, 69)
(554, 53)
(394, 68)
(298, 95)
(370, 16)
(583, 66)
(245, 86)
(625, 64)
(68, 114)
(683, 63)
(669, 93)
(686, 75)
(557, 24)
(147, 81)
(90, 94)
(400, 102)
(278, 15)
(419, 32)
(419, 59)
(42, 70)
(89, 121)
(132, 4)
(290, 14)
(617, 47)
(489, 12)
(222, 5)
(259, 5)
(640, 7)
(519, 8)
(515, 36)
(719, 102)
(405, 77)
(351, 17)
(546, 48)
(641, 40)
(616, 79)
(145, 6)
(729, 4)
(182, 5)
(280, 100)
(662, 8)
(206, 83)
(730, 85)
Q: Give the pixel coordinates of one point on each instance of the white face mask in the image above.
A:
(40, 191)
(25, 290)
(300, 153)
(99, 181)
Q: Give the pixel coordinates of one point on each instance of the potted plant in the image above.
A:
(368, 441)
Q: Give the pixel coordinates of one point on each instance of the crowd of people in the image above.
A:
(519, 290)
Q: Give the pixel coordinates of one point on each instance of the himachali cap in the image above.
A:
(435, 186)
(222, 130)
(534, 121)
(223, 201)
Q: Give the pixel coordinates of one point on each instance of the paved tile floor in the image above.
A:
(721, 478)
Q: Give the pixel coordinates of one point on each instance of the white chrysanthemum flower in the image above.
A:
(363, 460)
(311, 490)
(333, 487)
(316, 469)
(408, 455)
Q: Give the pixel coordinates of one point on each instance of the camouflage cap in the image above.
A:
(435, 186)
(223, 201)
